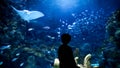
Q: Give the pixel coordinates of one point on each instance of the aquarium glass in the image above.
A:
(30, 30)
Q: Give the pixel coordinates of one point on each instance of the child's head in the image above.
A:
(65, 38)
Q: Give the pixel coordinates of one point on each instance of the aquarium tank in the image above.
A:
(30, 30)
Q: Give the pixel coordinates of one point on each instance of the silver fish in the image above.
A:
(5, 47)
(14, 59)
(46, 27)
(21, 64)
(1, 62)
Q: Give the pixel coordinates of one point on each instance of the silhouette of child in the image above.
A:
(65, 53)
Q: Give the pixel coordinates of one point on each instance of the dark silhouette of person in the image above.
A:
(65, 53)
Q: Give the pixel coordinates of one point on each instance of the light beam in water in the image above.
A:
(67, 4)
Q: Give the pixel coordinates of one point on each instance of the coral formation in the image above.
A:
(113, 25)
(86, 63)
(56, 63)
(111, 53)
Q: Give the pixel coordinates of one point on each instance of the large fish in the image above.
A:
(28, 15)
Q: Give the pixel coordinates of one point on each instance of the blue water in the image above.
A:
(34, 44)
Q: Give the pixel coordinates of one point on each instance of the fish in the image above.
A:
(5, 47)
(21, 64)
(28, 15)
(95, 65)
(30, 29)
(1, 62)
(50, 37)
(14, 59)
(46, 27)
(17, 54)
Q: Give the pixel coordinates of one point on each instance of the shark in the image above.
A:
(28, 15)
